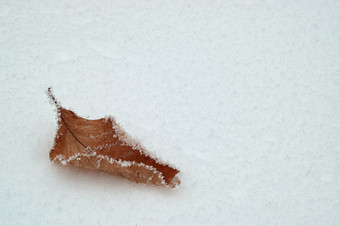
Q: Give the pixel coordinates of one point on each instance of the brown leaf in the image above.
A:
(103, 145)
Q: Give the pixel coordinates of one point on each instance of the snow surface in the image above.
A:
(243, 96)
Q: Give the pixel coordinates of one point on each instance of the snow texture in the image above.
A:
(243, 96)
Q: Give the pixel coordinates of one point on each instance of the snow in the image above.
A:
(242, 96)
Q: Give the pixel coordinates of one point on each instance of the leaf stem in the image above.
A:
(59, 108)
(52, 98)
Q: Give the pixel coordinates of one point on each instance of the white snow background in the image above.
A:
(242, 96)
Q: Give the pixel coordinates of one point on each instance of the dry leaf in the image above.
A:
(103, 145)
